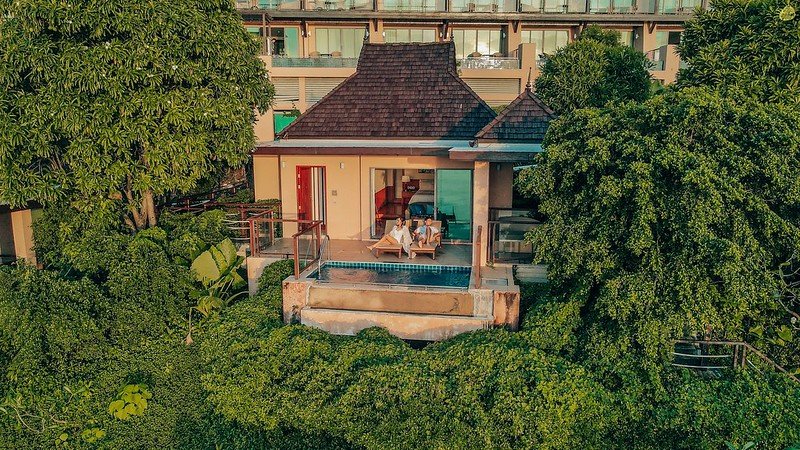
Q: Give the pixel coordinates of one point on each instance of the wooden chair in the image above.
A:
(429, 247)
(390, 248)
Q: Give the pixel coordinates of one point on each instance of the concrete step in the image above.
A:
(423, 327)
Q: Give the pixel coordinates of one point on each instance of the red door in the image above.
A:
(304, 193)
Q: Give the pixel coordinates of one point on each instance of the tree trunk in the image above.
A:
(149, 207)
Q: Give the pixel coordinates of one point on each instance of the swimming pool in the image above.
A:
(393, 273)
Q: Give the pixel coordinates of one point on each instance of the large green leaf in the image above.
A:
(205, 268)
(228, 250)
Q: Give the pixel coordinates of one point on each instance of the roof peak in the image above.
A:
(525, 119)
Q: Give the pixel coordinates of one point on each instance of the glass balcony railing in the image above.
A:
(483, 6)
(324, 62)
(678, 6)
(412, 5)
(269, 4)
(552, 6)
(612, 6)
(489, 62)
(338, 5)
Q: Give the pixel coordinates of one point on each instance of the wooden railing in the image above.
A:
(476, 256)
(739, 357)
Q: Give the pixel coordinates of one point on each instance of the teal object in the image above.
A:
(454, 202)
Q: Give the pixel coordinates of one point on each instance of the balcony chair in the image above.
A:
(429, 247)
(391, 248)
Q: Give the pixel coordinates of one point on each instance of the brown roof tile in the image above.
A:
(398, 91)
(525, 120)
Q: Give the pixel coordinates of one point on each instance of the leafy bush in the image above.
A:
(375, 391)
(274, 274)
(592, 71)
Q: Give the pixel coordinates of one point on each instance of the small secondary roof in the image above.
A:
(525, 120)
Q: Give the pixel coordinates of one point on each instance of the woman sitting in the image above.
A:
(398, 234)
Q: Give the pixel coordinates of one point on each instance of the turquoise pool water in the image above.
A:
(393, 273)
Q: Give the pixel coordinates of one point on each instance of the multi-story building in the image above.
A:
(310, 46)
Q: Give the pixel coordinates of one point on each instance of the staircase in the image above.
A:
(712, 357)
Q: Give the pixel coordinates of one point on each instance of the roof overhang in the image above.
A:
(497, 152)
(357, 147)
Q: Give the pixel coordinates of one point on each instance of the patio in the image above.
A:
(357, 251)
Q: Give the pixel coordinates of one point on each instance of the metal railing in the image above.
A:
(490, 62)
(237, 215)
(719, 355)
(320, 61)
(306, 242)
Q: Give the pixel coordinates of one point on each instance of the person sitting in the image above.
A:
(427, 234)
(399, 234)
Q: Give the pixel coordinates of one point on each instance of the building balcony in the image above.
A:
(599, 7)
(272, 5)
(412, 5)
(490, 62)
(492, 6)
(319, 61)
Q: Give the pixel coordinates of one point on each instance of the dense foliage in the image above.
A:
(592, 71)
(750, 46)
(682, 214)
(112, 104)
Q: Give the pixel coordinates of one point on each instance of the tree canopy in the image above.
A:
(748, 45)
(111, 104)
(679, 213)
(592, 71)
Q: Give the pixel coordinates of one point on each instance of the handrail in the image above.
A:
(739, 356)
(476, 256)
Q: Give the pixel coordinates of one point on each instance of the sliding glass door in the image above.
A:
(454, 202)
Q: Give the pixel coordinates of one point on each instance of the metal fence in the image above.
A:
(720, 355)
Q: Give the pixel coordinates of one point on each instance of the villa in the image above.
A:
(404, 136)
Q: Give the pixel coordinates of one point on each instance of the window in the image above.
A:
(485, 42)
(547, 41)
(626, 37)
(409, 35)
(345, 41)
(285, 41)
(282, 119)
(666, 38)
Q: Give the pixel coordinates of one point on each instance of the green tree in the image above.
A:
(751, 46)
(112, 104)
(592, 71)
(678, 213)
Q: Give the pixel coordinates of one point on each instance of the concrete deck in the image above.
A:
(354, 250)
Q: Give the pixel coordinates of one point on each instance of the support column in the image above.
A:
(480, 204)
(21, 222)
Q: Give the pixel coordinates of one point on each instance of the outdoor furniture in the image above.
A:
(389, 248)
(430, 247)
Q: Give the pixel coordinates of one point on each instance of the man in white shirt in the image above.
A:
(427, 233)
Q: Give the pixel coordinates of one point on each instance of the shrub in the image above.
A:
(275, 273)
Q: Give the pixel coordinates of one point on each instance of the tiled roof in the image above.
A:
(398, 91)
(525, 120)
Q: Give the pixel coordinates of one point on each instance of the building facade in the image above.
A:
(311, 46)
